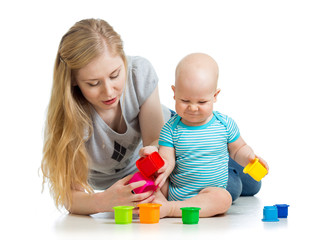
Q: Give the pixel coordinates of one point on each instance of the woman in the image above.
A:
(104, 108)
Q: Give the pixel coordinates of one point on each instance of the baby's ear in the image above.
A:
(216, 94)
(174, 91)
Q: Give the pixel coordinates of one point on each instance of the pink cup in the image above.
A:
(149, 186)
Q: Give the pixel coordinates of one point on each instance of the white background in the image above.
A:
(267, 53)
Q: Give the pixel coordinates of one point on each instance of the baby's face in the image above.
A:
(194, 96)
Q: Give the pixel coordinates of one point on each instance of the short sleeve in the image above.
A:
(165, 138)
(233, 130)
(144, 78)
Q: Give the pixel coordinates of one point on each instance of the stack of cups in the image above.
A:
(272, 213)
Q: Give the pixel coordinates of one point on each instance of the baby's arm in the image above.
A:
(168, 154)
(242, 153)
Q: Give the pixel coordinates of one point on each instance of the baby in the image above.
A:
(196, 143)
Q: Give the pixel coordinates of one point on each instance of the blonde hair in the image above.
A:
(68, 125)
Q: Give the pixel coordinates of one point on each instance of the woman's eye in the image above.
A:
(115, 75)
(93, 84)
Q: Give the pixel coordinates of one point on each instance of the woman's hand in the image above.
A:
(120, 194)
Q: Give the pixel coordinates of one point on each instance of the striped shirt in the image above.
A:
(201, 154)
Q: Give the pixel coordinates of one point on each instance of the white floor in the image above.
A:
(243, 220)
(26, 213)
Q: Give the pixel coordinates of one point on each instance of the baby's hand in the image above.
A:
(145, 151)
(163, 174)
(263, 162)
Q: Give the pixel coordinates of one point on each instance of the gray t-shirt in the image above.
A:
(112, 155)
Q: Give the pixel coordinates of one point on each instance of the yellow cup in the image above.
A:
(256, 170)
(149, 212)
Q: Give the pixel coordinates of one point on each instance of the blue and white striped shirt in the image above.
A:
(201, 154)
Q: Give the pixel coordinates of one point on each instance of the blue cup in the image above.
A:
(282, 210)
(270, 214)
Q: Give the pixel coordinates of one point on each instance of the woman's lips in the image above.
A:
(109, 102)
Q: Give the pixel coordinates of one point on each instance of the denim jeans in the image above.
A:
(239, 183)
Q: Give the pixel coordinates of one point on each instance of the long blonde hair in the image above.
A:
(68, 125)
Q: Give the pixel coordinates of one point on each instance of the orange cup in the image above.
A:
(149, 212)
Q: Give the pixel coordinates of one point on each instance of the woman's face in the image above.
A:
(102, 81)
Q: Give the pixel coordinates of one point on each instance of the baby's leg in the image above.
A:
(211, 200)
(250, 187)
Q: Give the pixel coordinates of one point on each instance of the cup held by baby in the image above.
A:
(150, 164)
(256, 170)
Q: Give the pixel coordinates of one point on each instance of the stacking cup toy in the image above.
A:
(123, 214)
(270, 214)
(150, 184)
(256, 170)
(190, 215)
(282, 210)
(149, 212)
(150, 164)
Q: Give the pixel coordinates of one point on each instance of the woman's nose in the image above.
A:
(108, 89)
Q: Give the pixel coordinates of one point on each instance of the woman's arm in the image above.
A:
(151, 119)
(119, 194)
(84, 203)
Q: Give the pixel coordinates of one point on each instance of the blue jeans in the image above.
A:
(239, 183)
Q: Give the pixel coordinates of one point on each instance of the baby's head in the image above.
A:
(195, 88)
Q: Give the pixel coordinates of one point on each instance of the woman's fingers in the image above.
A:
(146, 197)
(125, 180)
(135, 185)
(142, 196)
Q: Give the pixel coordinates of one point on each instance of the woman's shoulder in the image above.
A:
(142, 77)
(140, 67)
(136, 62)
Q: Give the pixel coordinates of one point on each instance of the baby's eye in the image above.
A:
(185, 101)
(202, 102)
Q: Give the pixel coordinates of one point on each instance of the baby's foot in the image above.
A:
(166, 208)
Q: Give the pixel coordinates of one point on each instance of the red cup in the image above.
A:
(150, 164)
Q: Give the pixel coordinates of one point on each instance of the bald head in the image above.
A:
(197, 69)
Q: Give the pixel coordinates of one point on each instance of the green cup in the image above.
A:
(123, 214)
(190, 215)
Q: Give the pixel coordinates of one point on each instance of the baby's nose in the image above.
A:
(193, 107)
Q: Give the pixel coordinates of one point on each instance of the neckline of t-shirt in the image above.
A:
(105, 125)
(197, 127)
